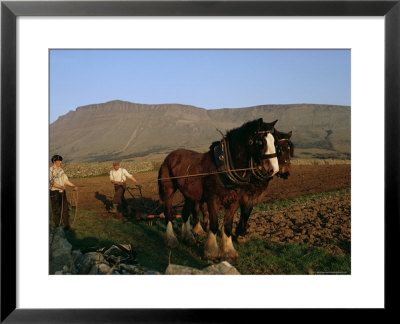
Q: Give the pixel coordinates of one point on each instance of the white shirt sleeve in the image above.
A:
(126, 173)
(64, 178)
(111, 175)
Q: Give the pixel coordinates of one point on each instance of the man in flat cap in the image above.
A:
(118, 177)
(58, 196)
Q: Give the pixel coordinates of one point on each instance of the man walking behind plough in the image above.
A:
(118, 178)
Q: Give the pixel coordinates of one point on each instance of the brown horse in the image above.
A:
(196, 176)
(255, 192)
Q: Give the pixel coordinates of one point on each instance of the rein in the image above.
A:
(203, 174)
(74, 199)
(258, 172)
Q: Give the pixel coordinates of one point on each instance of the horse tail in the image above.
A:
(166, 186)
(160, 186)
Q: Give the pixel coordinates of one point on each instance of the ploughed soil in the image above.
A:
(320, 220)
(316, 219)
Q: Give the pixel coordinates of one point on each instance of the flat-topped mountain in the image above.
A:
(124, 130)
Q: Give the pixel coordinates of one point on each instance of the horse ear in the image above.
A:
(290, 134)
(274, 122)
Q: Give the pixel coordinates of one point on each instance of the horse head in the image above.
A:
(285, 150)
(264, 148)
(242, 142)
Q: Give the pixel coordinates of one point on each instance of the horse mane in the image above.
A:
(238, 141)
(244, 131)
(267, 126)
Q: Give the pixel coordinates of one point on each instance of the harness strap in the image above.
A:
(258, 173)
(268, 156)
(230, 167)
(221, 157)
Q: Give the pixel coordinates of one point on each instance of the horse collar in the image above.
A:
(224, 163)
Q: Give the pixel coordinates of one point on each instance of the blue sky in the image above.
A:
(208, 79)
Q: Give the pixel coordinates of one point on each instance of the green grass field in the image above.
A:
(257, 256)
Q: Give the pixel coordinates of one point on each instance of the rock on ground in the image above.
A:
(85, 262)
(100, 269)
(222, 268)
(60, 251)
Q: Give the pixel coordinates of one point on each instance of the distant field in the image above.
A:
(93, 169)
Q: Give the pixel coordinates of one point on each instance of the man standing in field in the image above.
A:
(118, 179)
(58, 196)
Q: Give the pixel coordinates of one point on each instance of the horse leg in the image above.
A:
(171, 240)
(197, 228)
(211, 250)
(227, 250)
(206, 216)
(245, 211)
(187, 234)
(166, 191)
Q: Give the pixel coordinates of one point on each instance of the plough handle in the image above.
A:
(136, 187)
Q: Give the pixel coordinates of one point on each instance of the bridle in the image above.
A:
(258, 170)
(272, 155)
(279, 148)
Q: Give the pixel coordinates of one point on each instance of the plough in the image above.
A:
(144, 212)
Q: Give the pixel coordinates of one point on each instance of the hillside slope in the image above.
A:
(123, 130)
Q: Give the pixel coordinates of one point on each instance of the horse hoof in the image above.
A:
(198, 230)
(211, 255)
(171, 242)
(189, 239)
(230, 256)
(228, 251)
(187, 235)
(211, 250)
(170, 239)
(241, 239)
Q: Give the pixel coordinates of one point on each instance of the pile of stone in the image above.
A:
(117, 260)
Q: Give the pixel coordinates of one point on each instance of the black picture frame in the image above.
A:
(10, 10)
